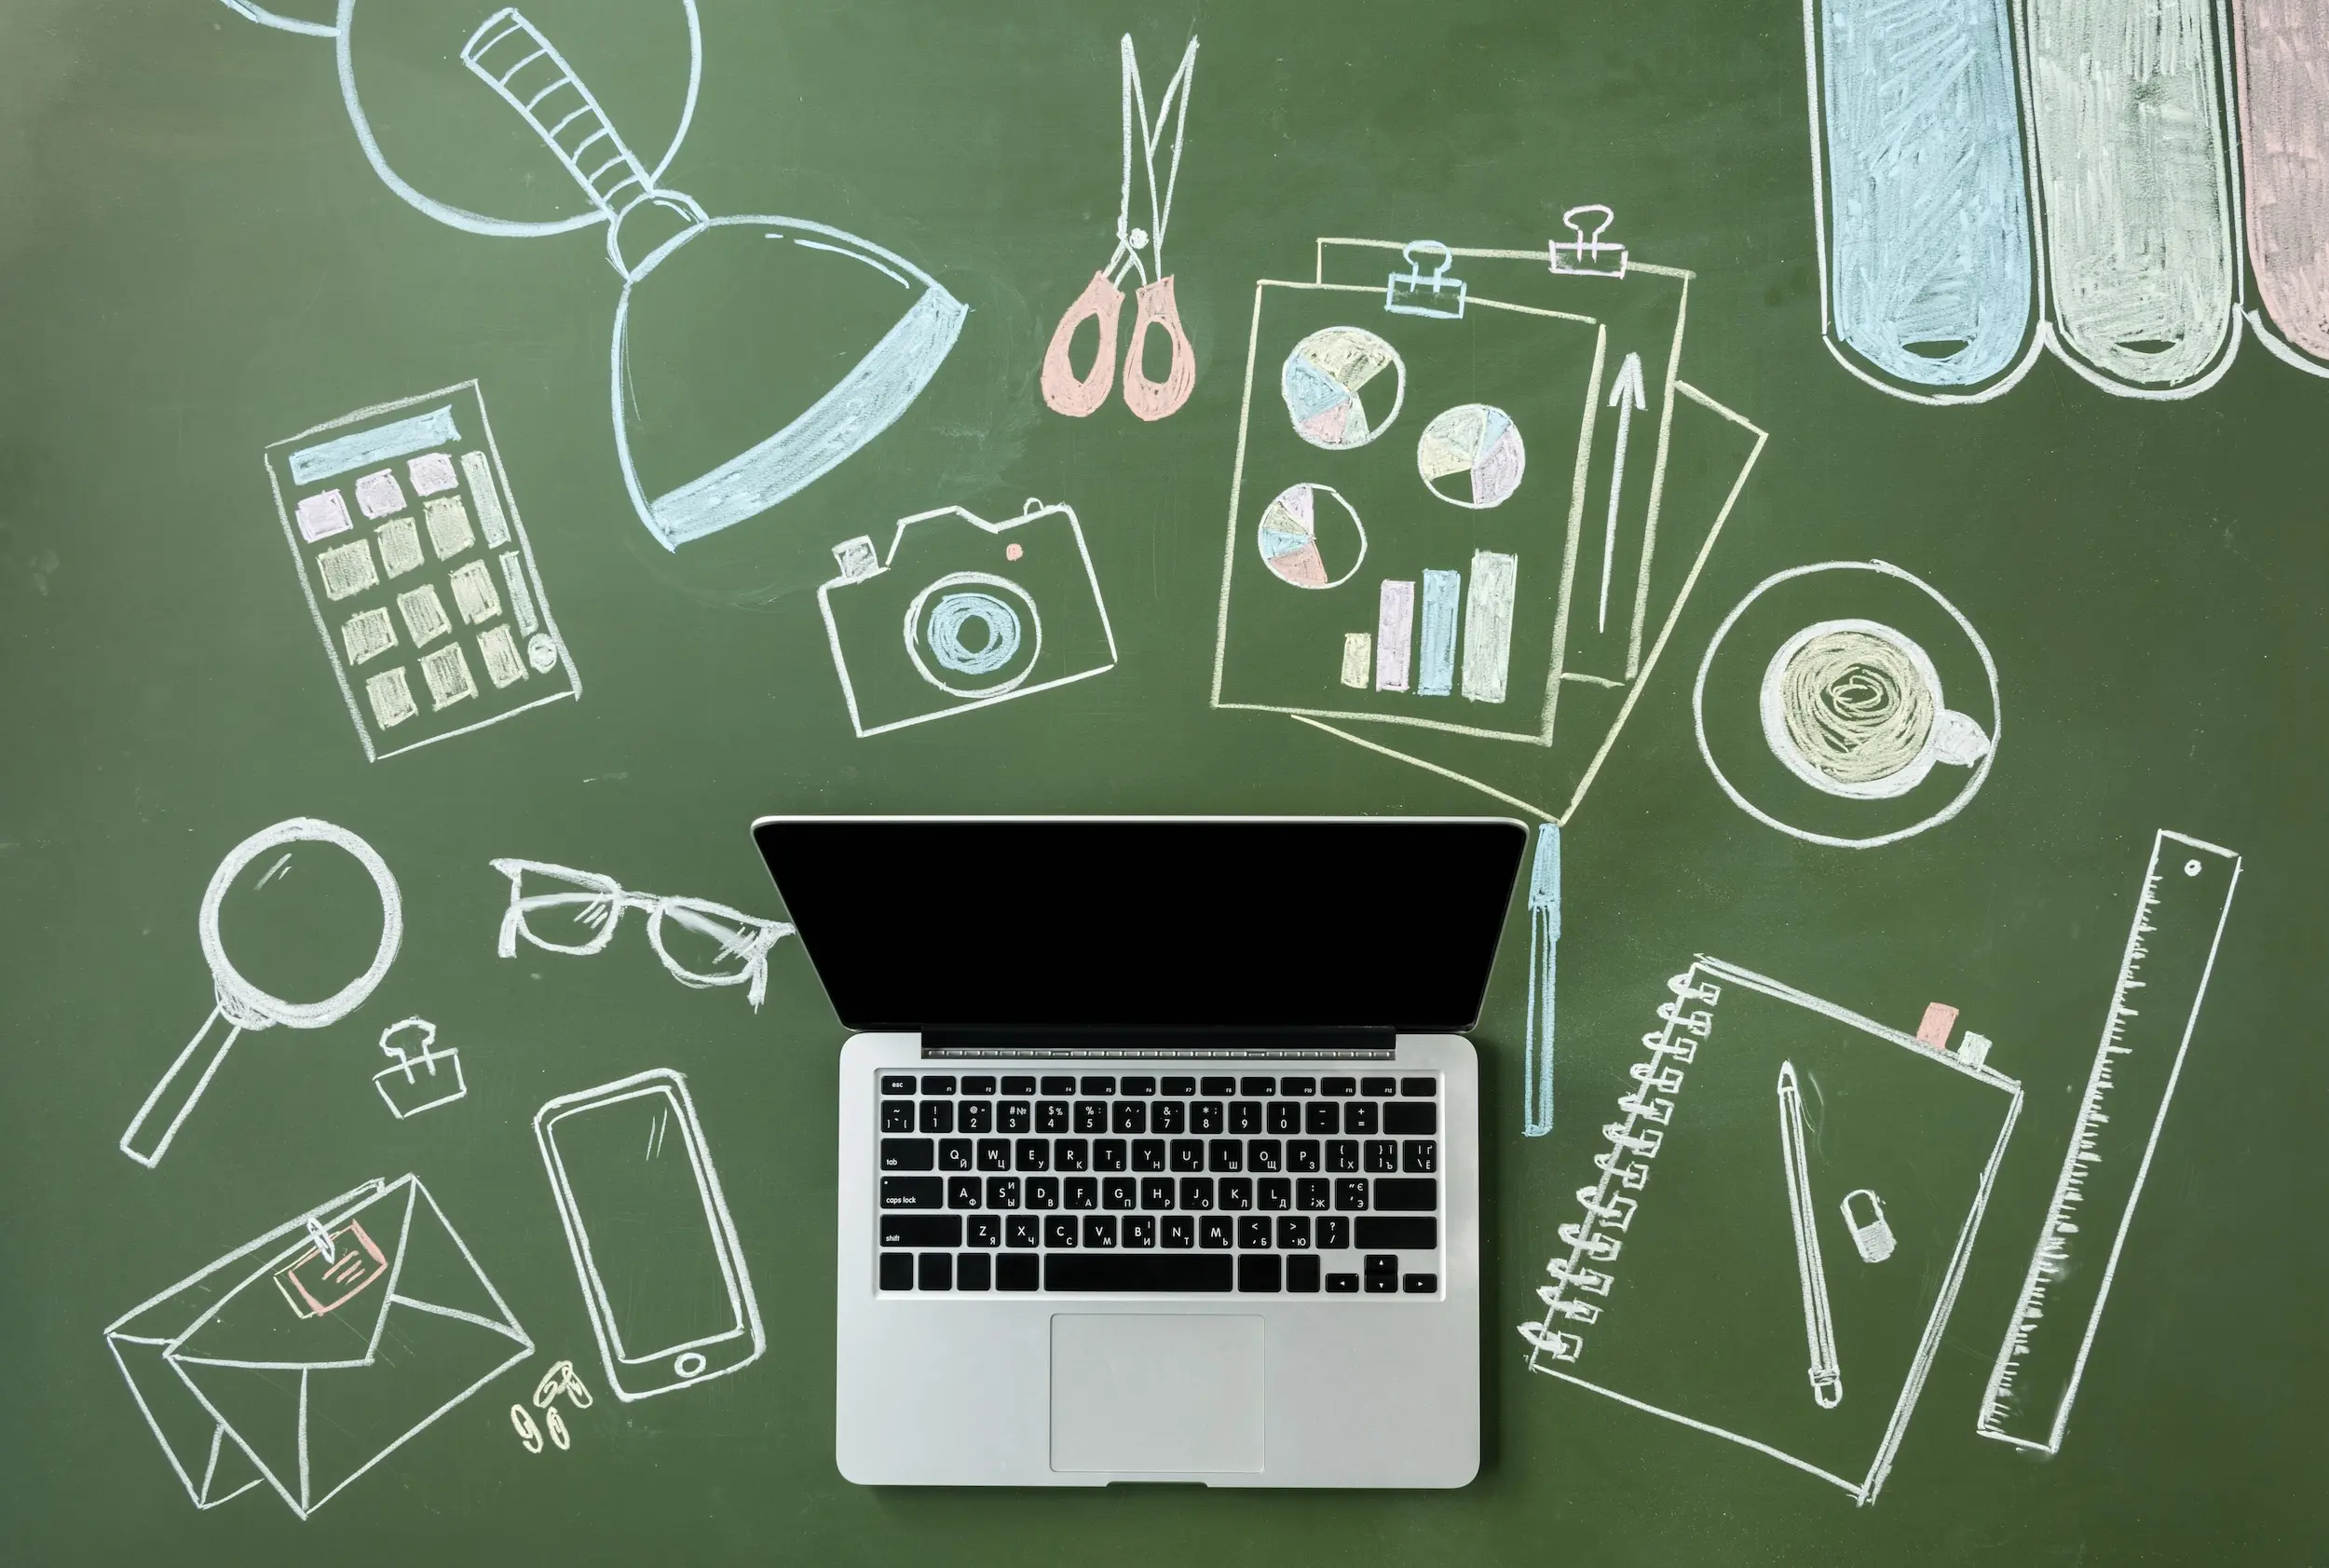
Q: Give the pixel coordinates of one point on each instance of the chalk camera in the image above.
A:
(962, 613)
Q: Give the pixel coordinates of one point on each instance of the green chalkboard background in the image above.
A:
(195, 261)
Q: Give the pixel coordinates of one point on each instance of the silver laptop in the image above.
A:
(1158, 1151)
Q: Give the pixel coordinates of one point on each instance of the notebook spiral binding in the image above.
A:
(1606, 1209)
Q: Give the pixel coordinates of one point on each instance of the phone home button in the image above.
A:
(690, 1365)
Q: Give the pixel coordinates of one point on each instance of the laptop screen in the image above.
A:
(1148, 923)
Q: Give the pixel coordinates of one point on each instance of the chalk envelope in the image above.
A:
(243, 1381)
(834, 338)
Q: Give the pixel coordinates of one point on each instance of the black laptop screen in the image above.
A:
(1120, 923)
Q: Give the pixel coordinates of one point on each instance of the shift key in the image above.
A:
(913, 1192)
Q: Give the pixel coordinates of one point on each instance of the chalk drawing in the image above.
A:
(2133, 155)
(241, 1005)
(1864, 1218)
(1536, 1078)
(2282, 53)
(1827, 1378)
(561, 1381)
(648, 226)
(562, 910)
(424, 1077)
(1103, 298)
(662, 1270)
(270, 1364)
(1855, 709)
(1929, 279)
(2181, 909)
(351, 602)
(986, 612)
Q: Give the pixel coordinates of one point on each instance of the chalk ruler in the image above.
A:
(2163, 979)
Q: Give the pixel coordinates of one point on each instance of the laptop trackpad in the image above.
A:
(1152, 1394)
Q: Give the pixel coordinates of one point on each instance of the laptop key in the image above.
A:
(922, 1230)
(1058, 1084)
(1225, 1154)
(1339, 1088)
(1099, 1229)
(1003, 1191)
(1118, 1191)
(1294, 1234)
(1083, 1191)
(954, 1154)
(1042, 1191)
(1213, 1230)
(1139, 1230)
(1197, 1191)
(1169, 1117)
(1261, 1088)
(1383, 1156)
(1302, 1275)
(1264, 1154)
(1258, 1273)
(975, 1116)
(1403, 1233)
(1131, 1116)
(970, 1270)
(1034, 1154)
(1070, 1153)
(897, 1270)
(961, 1191)
(1236, 1193)
(1136, 1086)
(976, 1085)
(1014, 1116)
(1410, 1118)
(1334, 1233)
(1018, 1086)
(1277, 1194)
(994, 1154)
(1285, 1117)
(1059, 1231)
(1350, 1193)
(1095, 1086)
(934, 1083)
(985, 1229)
(1051, 1115)
(1091, 1115)
(897, 1084)
(1297, 1088)
(897, 1116)
(1311, 1194)
(1181, 1230)
(1419, 1284)
(908, 1153)
(1156, 1192)
(1414, 1088)
(1143, 1273)
(1188, 1154)
(1337, 1284)
(1378, 1088)
(1302, 1154)
(1419, 1156)
(939, 1115)
(1245, 1117)
(1253, 1233)
(1184, 1088)
(1108, 1154)
(1224, 1087)
(1324, 1117)
(1022, 1230)
(1205, 1116)
(1148, 1153)
(1359, 1118)
(935, 1272)
(1342, 1154)
(1404, 1194)
(1383, 1273)
(912, 1192)
(1017, 1271)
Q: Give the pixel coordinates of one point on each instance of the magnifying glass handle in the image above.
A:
(157, 1120)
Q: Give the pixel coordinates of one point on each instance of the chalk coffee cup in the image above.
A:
(1855, 708)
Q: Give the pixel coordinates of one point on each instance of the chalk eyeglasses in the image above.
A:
(702, 944)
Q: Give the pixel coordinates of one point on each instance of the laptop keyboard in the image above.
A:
(1159, 1182)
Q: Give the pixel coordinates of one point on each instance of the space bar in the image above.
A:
(1137, 1271)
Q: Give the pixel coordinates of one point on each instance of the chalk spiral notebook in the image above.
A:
(1774, 1234)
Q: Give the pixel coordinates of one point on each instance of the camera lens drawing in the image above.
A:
(1472, 456)
(971, 632)
(1289, 530)
(1853, 708)
(242, 1004)
(1325, 381)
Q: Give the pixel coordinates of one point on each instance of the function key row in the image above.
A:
(1141, 1086)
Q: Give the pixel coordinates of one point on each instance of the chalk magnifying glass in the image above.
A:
(241, 1003)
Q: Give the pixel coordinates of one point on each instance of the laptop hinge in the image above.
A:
(1321, 1045)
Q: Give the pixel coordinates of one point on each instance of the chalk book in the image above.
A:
(1771, 1237)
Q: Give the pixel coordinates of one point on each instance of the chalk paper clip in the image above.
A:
(421, 1080)
(1586, 253)
(1414, 294)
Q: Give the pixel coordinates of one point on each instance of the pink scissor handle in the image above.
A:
(1154, 399)
(1063, 390)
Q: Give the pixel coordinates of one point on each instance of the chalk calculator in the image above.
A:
(419, 571)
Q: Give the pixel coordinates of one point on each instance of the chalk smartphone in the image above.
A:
(663, 1276)
(1158, 1143)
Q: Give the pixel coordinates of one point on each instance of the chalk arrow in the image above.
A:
(1624, 396)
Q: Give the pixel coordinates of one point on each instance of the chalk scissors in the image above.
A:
(1103, 298)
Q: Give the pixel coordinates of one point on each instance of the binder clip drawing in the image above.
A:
(1586, 253)
(423, 1078)
(1414, 294)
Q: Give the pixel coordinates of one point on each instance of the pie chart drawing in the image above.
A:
(1472, 455)
(1325, 385)
(1289, 536)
